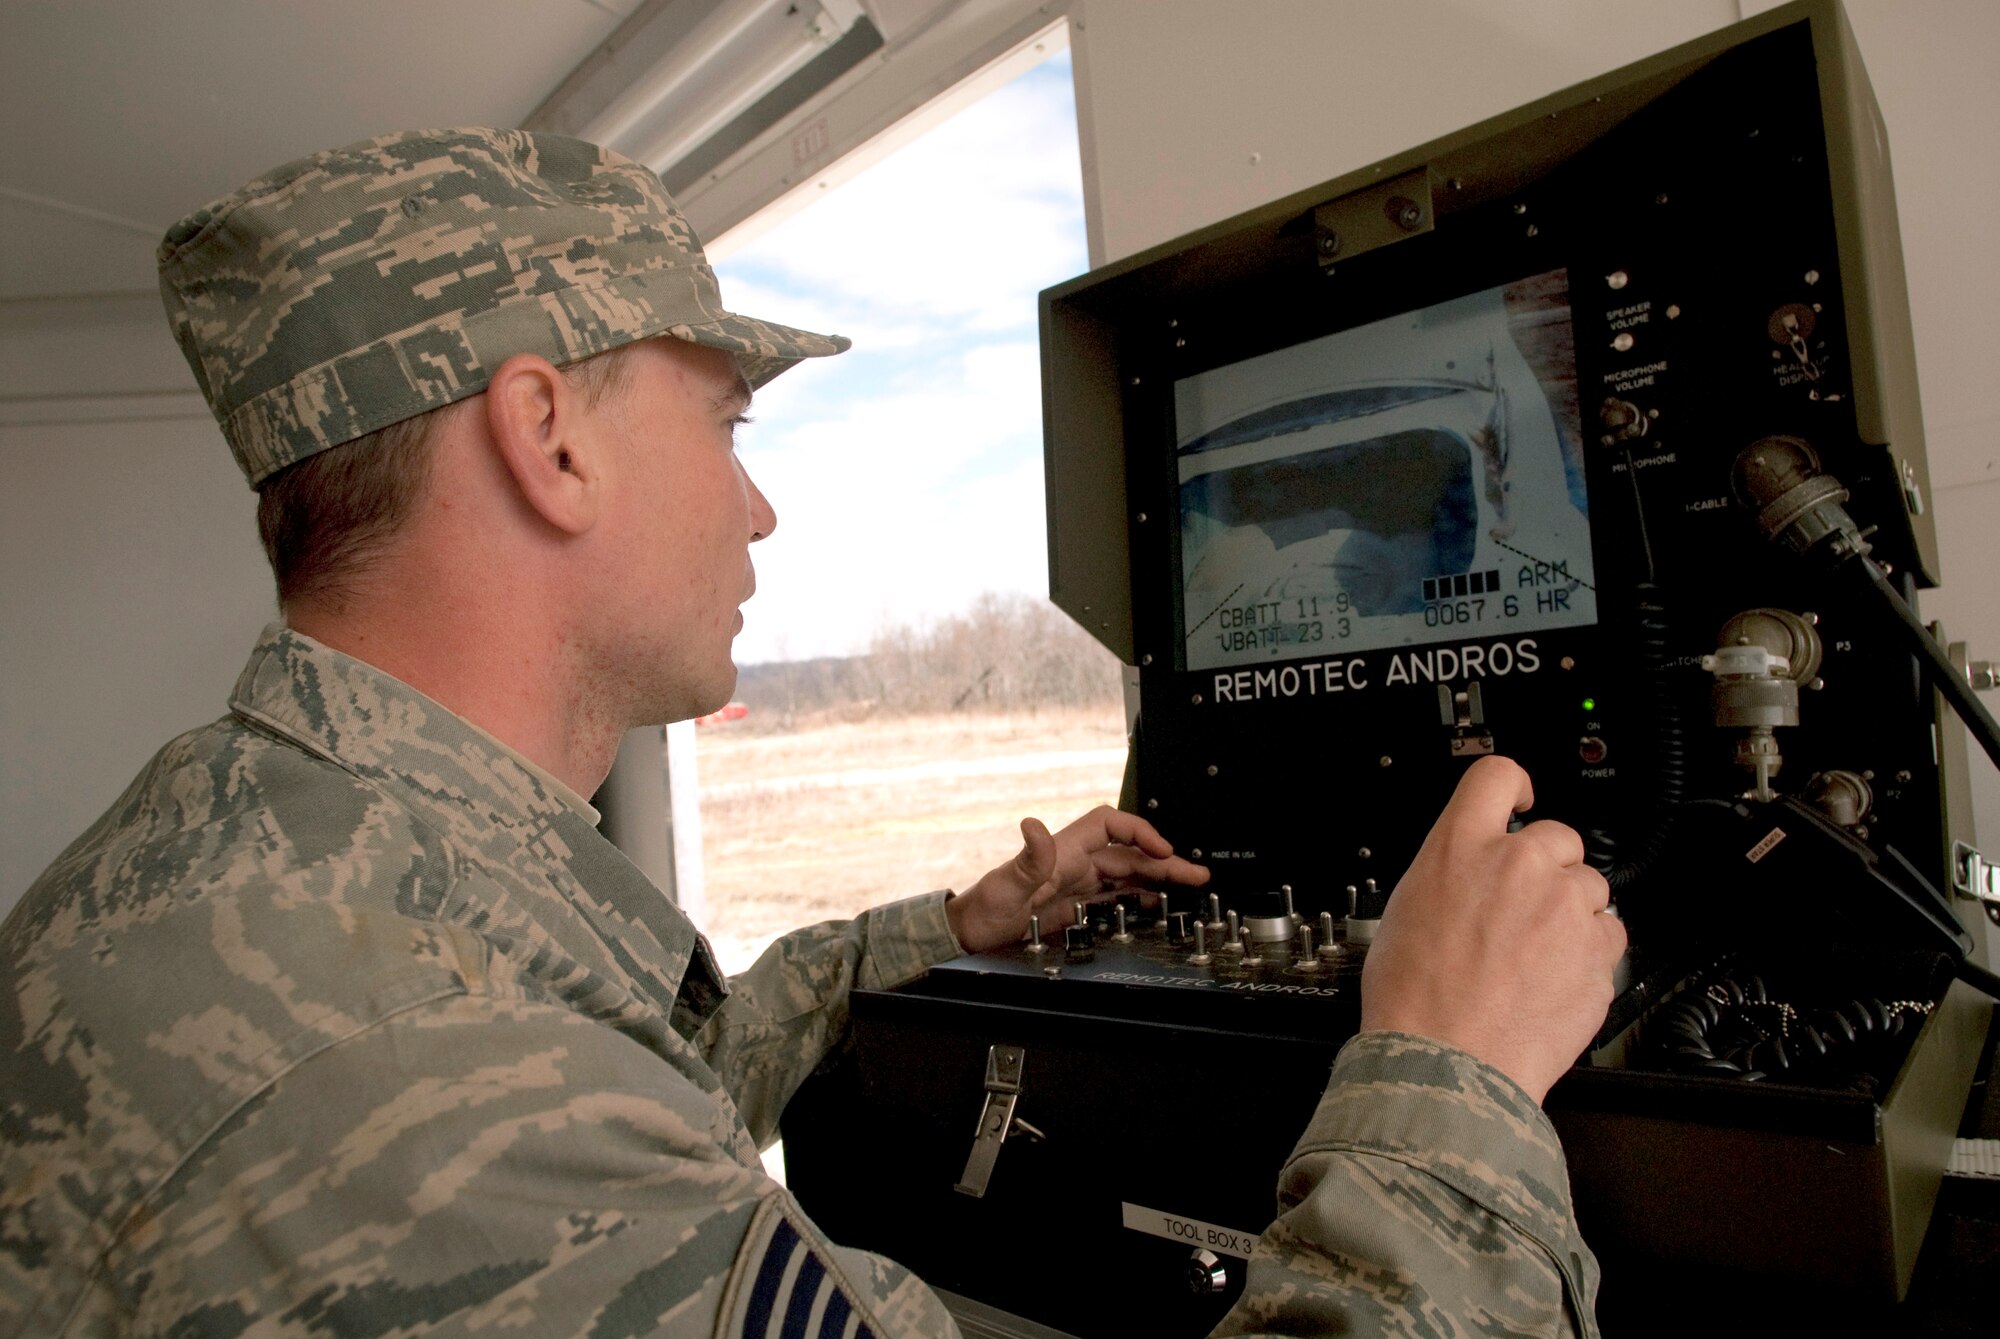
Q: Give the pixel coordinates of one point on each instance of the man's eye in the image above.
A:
(740, 420)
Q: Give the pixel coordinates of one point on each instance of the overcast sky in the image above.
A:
(907, 473)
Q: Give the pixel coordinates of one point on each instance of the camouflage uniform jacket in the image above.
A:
(343, 1020)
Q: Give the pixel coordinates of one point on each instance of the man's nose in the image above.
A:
(763, 516)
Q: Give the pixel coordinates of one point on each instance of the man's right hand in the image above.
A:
(1496, 942)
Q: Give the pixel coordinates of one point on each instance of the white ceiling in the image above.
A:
(124, 115)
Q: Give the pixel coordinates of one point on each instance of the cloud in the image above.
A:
(964, 225)
(907, 474)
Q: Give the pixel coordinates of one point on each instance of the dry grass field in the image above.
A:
(828, 820)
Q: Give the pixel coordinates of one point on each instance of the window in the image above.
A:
(910, 693)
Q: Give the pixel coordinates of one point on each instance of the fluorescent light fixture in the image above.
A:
(735, 55)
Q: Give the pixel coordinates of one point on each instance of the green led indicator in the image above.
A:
(1590, 704)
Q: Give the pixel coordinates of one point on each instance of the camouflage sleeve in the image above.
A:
(785, 1012)
(565, 1181)
(1428, 1196)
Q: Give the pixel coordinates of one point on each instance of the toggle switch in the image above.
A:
(1361, 929)
(1251, 958)
(1329, 949)
(1464, 714)
(1079, 940)
(1201, 956)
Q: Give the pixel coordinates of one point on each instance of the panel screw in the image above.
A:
(1152, 804)
(1387, 761)
(1213, 769)
(1365, 853)
(1145, 660)
(1197, 699)
(1329, 243)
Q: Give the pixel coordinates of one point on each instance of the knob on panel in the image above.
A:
(1206, 1273)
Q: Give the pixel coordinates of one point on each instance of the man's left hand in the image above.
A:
(1107, 850)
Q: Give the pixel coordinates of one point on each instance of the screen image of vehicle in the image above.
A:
(1414, 480)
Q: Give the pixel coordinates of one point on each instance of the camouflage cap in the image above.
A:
(371, 283)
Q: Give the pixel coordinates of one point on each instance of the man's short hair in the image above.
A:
(324, 520)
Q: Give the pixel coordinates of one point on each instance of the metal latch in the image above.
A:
(1973, 875)
(996, 1119)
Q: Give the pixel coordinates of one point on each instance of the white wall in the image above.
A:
(131, 583)
(1191, 111)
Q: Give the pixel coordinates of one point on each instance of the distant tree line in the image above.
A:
(1004, 653)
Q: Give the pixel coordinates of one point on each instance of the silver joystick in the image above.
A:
(1215, 921)
(1232, 944)
(1200, 957)
(1035, 944)
(1291, 911)
(1122, 935)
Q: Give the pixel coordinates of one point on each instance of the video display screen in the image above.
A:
(1414, 480)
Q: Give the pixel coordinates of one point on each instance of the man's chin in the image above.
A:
(724, 693)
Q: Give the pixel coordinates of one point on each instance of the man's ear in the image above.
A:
(536, 422)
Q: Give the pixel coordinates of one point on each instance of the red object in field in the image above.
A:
(735, 711)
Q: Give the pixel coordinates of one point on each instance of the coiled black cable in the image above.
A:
(1731, 1027)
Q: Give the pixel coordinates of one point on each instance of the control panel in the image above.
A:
(1587, 437)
